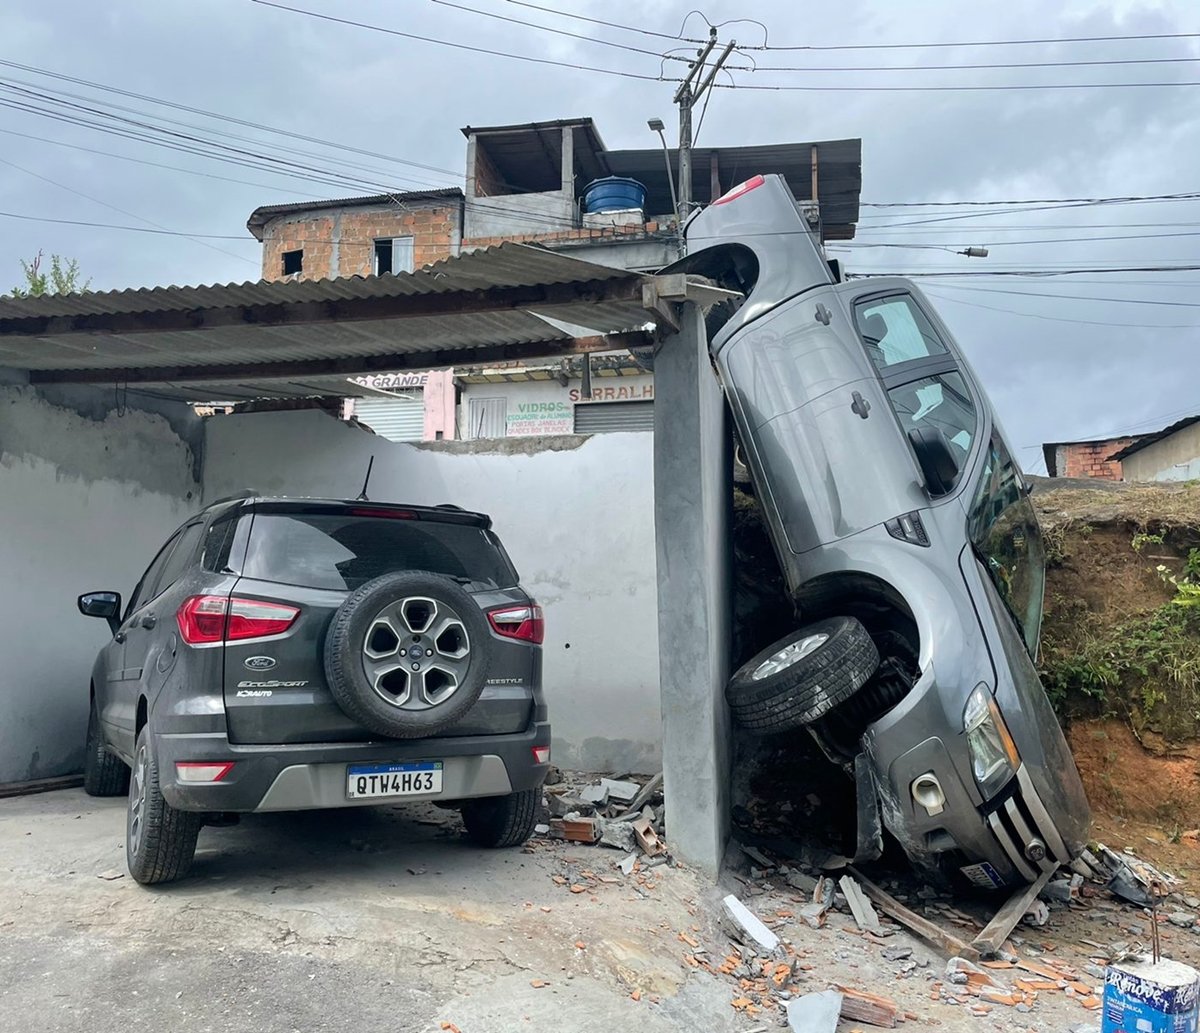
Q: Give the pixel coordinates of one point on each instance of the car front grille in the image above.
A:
(1021, 820)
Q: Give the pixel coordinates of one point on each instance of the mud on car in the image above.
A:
(285, 654)
(909, 547)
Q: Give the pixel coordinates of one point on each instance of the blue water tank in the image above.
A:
(612, 194)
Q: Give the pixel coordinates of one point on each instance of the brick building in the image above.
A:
(1093, 458)
(527, 183)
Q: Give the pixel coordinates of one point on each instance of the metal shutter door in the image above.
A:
(398, 419)
(602, 417)
(487, 417)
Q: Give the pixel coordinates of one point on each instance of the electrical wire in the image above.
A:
(973, 88)
(982, 43)
(132, 229)
(1071, 297)
(1060, 319)
(1037, 272)
(972, 67)
(463, 46)
(610, 24)
(1001, 243)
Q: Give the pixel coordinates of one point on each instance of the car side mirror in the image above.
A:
(936, 459)
(102, 604)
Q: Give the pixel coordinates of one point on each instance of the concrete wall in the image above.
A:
(86, 498)
(1174, 458)
(576, 515)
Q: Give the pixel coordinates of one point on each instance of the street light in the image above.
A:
(656, 126)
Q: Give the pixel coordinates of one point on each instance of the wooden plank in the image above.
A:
(40, 785)
(996, 931)
(872, 1009)
(889, 905)
(860, 906)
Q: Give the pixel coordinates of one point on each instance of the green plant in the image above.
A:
(62, 278)
(1141, 540)
(1191, 566)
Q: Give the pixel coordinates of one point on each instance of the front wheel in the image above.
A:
(802, 677)
(502, 821)
(160, 841)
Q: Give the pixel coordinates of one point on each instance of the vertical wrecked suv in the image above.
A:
(908, 544)
(288, 654)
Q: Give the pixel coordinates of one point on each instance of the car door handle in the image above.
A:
(119, 636)
(149, 621)
(860, 406)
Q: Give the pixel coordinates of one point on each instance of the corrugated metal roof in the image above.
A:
(265, 213)
(293, 338)
(1150, 439)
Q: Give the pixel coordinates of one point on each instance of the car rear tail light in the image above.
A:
(523, 622)
(206, 619)
(541, 754)
(202, 771)
(741, 190)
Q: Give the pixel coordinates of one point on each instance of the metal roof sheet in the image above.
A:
(1149, 439)
(293, 338)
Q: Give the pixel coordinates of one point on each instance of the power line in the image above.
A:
(1072, 297)
(1032, 200)
(979, 43)
(964, 67)
(1150, 199)
(1036, 272)
(1060, 319)
(115, 208)
(132, 229)
(608, 24)
(1002, 243)
(976, 88)
(462, 46)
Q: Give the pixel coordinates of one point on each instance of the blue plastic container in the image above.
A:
(1143, 997)
(612, 194)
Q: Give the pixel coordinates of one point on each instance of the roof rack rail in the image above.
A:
(244, 493)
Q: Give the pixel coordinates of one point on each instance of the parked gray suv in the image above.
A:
(285, 654)
(908, 543)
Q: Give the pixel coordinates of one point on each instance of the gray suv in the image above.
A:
(908, 544)
(285, 654)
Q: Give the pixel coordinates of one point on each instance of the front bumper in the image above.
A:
(312, 775)
(1004, 841)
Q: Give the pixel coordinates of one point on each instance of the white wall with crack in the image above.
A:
(87, 495)
(576, 515)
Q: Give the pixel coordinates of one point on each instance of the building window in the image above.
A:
(293, 262)
(487, 417)
(394, 255)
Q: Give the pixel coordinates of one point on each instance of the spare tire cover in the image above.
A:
(407, 654)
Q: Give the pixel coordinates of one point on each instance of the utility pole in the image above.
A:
(687, 97)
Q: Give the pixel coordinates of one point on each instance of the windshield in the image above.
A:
(1004, 530)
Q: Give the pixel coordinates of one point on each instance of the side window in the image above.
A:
(146, 587)
(894, 330)
(942, 402)
(217, 540)
(180, 558)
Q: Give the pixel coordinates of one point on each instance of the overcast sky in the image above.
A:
(1057, 369)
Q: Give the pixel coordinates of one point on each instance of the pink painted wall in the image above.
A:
(439, 405)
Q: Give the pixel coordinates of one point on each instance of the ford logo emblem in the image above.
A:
(259, 663)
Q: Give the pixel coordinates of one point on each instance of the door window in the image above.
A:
(943, 403)
(146, 587)
(1008, 541)
(894, 330)
(180, 558)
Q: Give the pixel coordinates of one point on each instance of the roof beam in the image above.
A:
(295, 313)
(348, 365)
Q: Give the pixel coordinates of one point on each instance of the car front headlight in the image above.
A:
(994, 756)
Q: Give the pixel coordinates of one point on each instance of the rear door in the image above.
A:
(311, 558)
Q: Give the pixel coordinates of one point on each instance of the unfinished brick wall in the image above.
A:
(591, 233)
(341, 242)
(1090, 458)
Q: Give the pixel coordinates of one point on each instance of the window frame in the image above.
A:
(298, 255)
(391, 241)
(900, 373)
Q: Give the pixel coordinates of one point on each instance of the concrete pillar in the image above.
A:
(439, 405)
(568, 162)
(693, 480)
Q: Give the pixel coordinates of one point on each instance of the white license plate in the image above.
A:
(419, 778)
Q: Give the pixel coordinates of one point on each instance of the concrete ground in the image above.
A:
(382, 920)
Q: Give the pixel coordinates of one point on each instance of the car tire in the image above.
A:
(502, 821)
(160, 842)
(802, 677)
(369, 675)
(103, 773)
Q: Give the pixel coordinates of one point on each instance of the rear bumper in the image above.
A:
(307, 776)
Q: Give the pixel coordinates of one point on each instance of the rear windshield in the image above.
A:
(343, 551)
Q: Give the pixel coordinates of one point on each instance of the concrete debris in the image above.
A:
(618, 834)
(815, 1013)
(541, 830)
(1131, 878)
(757, 856)
(596, 795)
(614, 790)
(1065, 890)
(813, 915)
(576, 830)
(860, 907)
(644, 796)
(628, 864)
(802, 882)
(1183, 919)
(743, 923)
(1037, 915)
(562, 804)
(897, 953)
(111, 875)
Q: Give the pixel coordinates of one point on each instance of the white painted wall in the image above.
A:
(84, 504)
(576, 515)
(540, 407)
